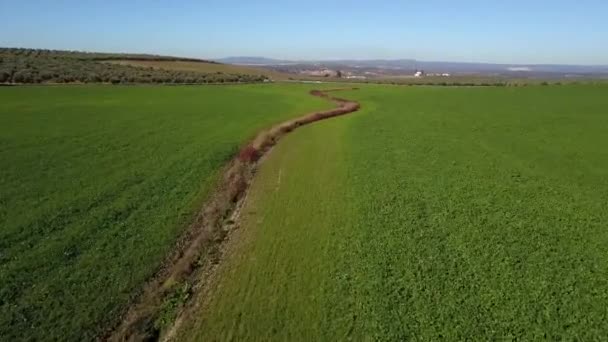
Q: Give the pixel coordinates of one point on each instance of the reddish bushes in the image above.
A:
(249, 154)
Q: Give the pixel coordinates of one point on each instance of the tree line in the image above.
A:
(32, 66)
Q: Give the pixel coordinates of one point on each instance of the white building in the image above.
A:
(419, 73)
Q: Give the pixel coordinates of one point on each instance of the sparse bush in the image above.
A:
(4, 76)
(46, 75)
(22, 76)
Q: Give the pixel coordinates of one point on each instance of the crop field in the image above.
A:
(454, 213)
(97, 183)
(203, 67)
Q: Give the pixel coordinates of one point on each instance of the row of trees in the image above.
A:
(48, 66)
(93, 55)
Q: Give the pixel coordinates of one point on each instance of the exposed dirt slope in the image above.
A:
(199, 251)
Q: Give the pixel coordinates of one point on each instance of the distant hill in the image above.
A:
(179, 65)
(408, 66)
(96, 56)
(22, 66)
(490, 67)
(253, 61)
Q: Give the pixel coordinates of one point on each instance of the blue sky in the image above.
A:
(510, 31)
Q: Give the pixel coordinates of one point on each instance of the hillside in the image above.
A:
(381, 68)
(200, 67)
(25, 66)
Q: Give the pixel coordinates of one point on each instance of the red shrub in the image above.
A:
(249, 154)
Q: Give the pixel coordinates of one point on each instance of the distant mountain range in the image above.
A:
(409, 65)
(253, 61)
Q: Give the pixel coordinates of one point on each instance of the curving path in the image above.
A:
(201, 248)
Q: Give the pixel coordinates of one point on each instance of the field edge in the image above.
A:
(157, 311)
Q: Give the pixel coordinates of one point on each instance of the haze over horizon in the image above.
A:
(520, 32)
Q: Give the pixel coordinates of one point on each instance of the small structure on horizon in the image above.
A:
(419, 73)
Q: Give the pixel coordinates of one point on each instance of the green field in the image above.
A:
(434, 213)
(96, 184)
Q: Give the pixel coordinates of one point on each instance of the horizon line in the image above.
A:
(329, 59)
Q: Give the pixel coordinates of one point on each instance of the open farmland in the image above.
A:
(97, 183)
(37, 66)
(199, 67)
(456, 213)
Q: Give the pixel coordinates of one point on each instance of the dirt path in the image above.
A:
(197, 254)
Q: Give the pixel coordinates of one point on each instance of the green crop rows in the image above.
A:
(434, 213)
(97, 182)
(454, 213)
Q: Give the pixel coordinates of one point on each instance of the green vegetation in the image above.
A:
(191, 66)
(480, 81)
(96, 184)
(49, 66)
(170, 307)
(454, 213)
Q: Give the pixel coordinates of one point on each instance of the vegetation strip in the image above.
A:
(199, 248)
(29, 66)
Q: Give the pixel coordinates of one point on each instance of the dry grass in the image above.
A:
(203, 67)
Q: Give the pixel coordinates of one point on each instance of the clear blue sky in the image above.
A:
(510, 31)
